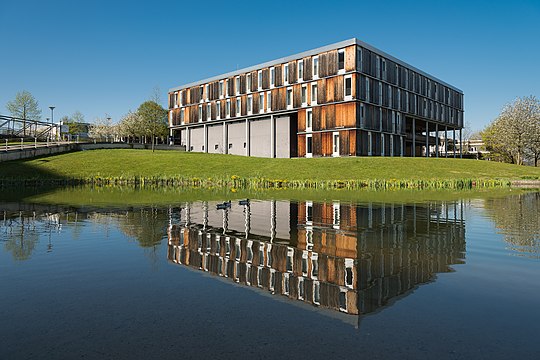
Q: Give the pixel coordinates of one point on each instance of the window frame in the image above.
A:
(316, 93)
(289, 97)
(309, 120)
(345, 96)
(341, 52)
(300, 70)
(309, 144)
(315, 65)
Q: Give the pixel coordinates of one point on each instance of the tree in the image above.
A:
(24, 106)
(101, 128)
(514, 135)
(75, 123)
(130, 125)
(154, 120)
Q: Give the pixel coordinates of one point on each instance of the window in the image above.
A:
(261, 102)
(286, 74)
(314, 93)
(221, 89)
(226, 84)
(289, 98)
(367, 90)
(200, 113)
(315, 64)
(175, 99)
(304, 95)
(207, 89)
(249, 104)
(201, 93)
(309, 146)
(259, 80)
(380, 93)
(309, 120)
(341, 61)
(228, 108)
(238, 106)
(369, 142)
(182, 115)
(181, 102)
(269, 100)
(218, 110)
(248, 83)
(300, 70)
(335, 144)
(237, 81)
(359, 59)
(272, 76)
(208, 111)
(348, 87)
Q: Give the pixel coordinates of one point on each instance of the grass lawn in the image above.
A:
(128, 163)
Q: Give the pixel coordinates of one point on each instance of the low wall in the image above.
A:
(92, 146)
(31, 152)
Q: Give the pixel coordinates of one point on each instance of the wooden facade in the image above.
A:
(360, 101)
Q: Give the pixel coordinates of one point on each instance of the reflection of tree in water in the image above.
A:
(517, 218)
(148, 226)
(20, 237)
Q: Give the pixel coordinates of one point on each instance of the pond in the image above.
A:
(271, 278)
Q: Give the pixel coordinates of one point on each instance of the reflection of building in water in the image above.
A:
(351, 258)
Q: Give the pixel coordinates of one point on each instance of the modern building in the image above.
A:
(344, 99)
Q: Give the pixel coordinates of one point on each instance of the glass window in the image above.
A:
(348, 87)
(200, 113)
(238, 106)
(228, 108)
(261, 102)
(286, 73)
(272, 76)
(269, 101)
(218, 109)
(182, 114)
(221, 89)
(316, 67)
(237, 80)
(300, 69)
(250, 104)
(259, 79)
(248, 82)
(314, 93)
(289, 98)
(341, 60)
(304, 94)
(208, 112)
(309, 145)
(309, 120)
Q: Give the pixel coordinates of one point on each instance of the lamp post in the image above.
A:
(52, 117)
(108, 121)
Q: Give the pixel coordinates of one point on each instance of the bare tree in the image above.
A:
(24, 106)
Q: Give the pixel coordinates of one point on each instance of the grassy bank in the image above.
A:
(126, 167)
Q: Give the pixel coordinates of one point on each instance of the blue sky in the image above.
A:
(106, 57)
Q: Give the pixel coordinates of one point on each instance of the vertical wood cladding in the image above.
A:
(278, 75)
(308, 69)
(266, 79)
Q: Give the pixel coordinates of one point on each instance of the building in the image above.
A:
(344, 99)
(349, 258)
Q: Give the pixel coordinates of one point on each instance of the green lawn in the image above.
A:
(144, 163)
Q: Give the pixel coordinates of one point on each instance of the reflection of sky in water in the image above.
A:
(147, 277)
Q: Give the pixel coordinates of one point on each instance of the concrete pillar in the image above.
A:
(248, 138)
(460, 143)
(272, 136)
(436, 140)
(205, 141)
(225, 139)
(413, 137)
(446, 141)
(427, 138)
(454, 136)
(188, 139)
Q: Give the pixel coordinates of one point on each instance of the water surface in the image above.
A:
(272, 278)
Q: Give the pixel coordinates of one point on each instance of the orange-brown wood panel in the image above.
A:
(302, 120)
(282, 99)
(339, 90)
(346, 114)
(256, 97)
(330, 83)
(278, 75)
(352, 142)
(321, 91)
(353, 85)
(330, 111)
(346, 246)
(297, 95)
(344, 143)
(307, 68)
(327, 145)
(317, 144)
(301, 145)
(350, 58)
(316, 118)
(243, 103)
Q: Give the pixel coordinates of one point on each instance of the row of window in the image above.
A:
(370, 63)
(261, 105)
(226, 91)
